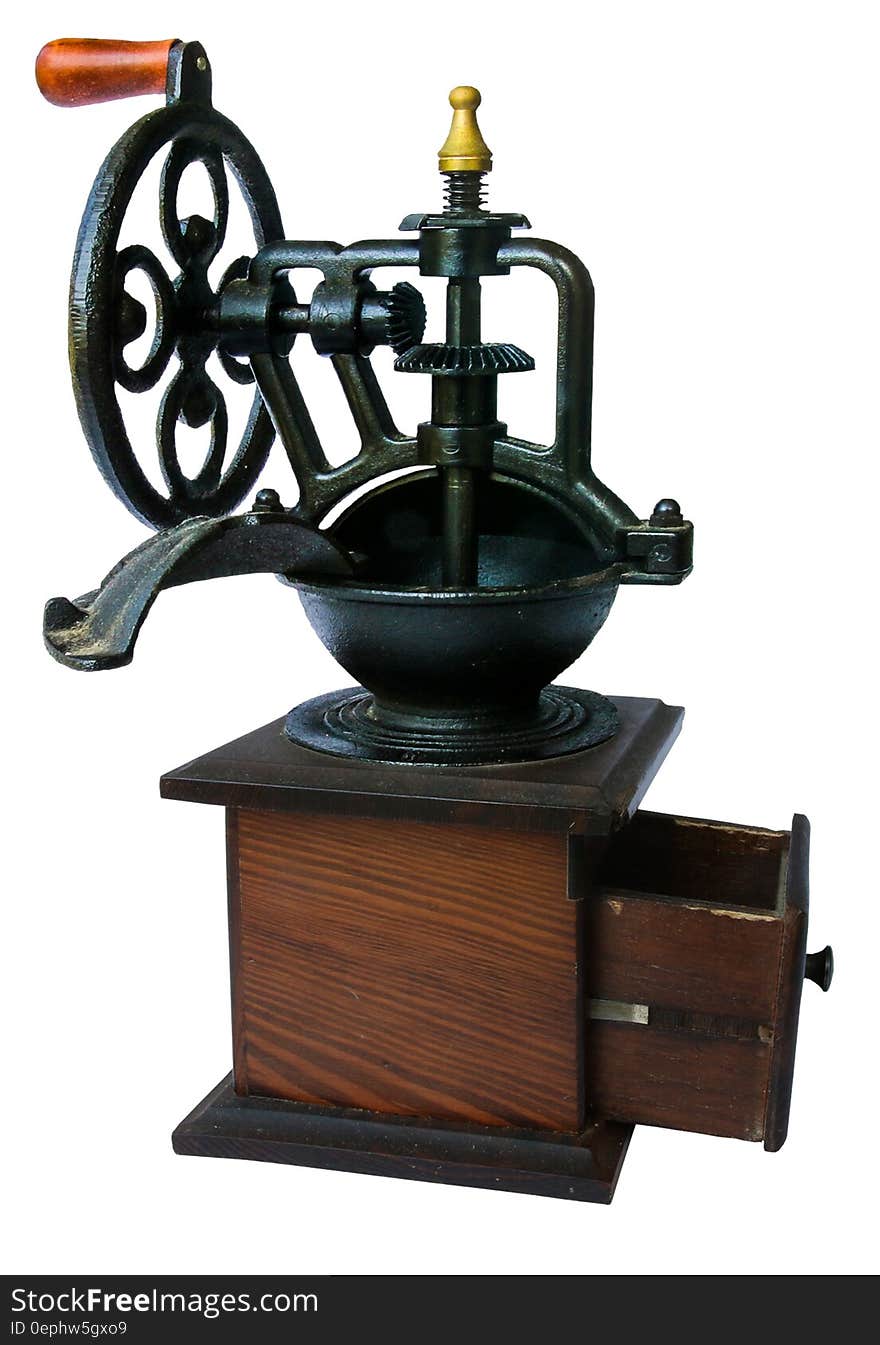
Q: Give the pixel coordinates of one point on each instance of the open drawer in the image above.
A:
(696, 954)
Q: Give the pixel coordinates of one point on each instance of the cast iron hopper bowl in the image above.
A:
(452, 676)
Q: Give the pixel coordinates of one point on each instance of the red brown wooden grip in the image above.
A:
(75, 71)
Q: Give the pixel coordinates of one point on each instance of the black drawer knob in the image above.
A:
(820, 967)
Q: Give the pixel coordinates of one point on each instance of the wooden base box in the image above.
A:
(486, 975)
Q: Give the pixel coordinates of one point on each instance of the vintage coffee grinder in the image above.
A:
(459, 950)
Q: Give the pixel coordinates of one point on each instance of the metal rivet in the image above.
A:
(267, 501)
(667, 513)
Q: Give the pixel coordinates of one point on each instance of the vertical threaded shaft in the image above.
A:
(464, 193)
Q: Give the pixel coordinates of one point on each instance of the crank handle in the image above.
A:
(76, 71)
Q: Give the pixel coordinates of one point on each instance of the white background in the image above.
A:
(716, 167)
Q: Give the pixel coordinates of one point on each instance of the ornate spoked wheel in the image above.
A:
(105, 318)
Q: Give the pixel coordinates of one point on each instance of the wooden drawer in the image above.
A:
(696, 944)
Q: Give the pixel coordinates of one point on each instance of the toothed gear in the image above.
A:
(406, 317)
(456, 361)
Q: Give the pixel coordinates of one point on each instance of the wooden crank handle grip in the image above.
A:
(75, 71)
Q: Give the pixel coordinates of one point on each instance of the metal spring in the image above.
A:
(463, 193)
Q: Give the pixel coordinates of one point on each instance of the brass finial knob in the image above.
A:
(465, 150)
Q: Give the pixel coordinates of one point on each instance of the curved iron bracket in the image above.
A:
(99, 630)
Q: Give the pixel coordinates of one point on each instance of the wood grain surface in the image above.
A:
(694, 859)
(790, 984)
(706, 959)
(582, 1166)
(687, 920)
(594, 791)
(406, 967)
(686, 1080)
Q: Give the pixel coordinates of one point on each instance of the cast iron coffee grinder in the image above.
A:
(459, 950)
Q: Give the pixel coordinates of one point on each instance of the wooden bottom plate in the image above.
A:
(581, 1166)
